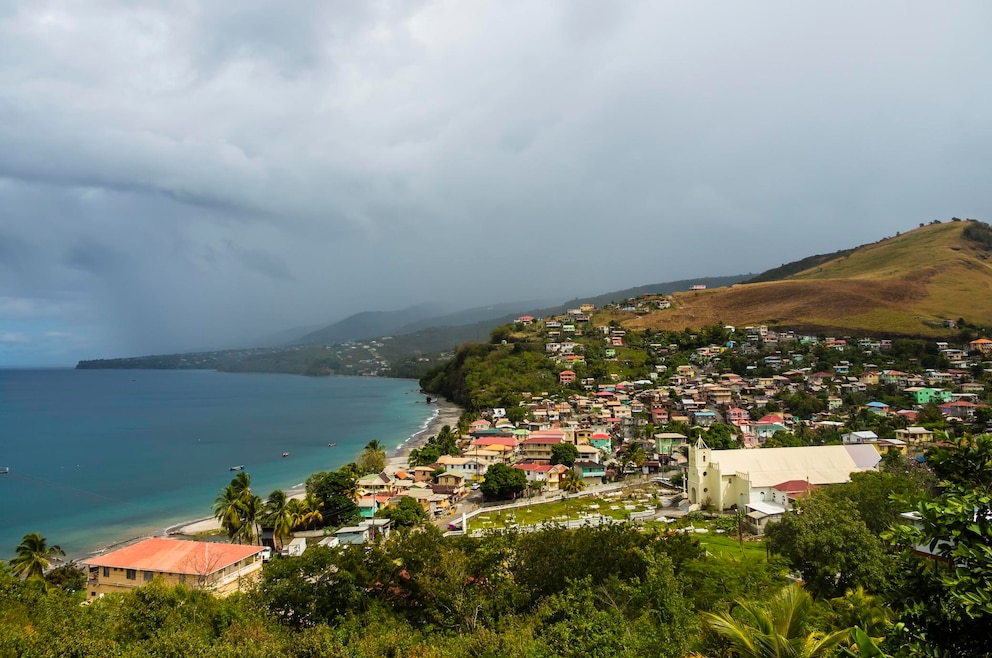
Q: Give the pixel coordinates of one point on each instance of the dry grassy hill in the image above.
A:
(906, 285)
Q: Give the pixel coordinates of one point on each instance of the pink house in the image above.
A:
(736, 415)
(566, 376)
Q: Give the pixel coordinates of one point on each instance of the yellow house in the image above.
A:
(220, 568)
(891, 445)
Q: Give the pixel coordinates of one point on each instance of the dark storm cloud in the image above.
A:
(187, 175)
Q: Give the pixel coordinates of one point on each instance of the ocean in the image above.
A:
(99, 456)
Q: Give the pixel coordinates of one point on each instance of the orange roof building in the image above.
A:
(221, 568)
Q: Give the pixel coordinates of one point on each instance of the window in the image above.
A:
(149, 575)
(106, 572)
(132, 574)
(182, 578)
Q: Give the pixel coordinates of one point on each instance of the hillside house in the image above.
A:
(220, 568)
(594, 472)
(915, 435)
(926, 395)
(566, 376)
(983, 345)
(549, 475)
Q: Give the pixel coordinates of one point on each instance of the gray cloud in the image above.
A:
(186, 175)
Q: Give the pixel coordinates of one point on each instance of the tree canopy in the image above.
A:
(503, 481)
(830, 546)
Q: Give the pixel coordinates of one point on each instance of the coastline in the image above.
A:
(443, 413)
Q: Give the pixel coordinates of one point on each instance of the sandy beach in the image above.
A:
(444, 413)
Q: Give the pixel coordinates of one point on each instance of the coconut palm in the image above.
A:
(227, 509)
(250, 508)
(242, 482)
(296, 513)
(311, 511)
(278, 515)
(372, 459)
(34, 556)
(776, 631)
(571, 483)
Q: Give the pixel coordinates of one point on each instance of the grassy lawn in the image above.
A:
(543, 512)
(724, 546)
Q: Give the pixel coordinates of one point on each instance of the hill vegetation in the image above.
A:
(918, 283)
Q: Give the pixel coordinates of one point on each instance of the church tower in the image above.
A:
(699, 459)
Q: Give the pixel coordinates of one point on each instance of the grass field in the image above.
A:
(559, 511)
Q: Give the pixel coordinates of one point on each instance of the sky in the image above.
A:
(195, 175)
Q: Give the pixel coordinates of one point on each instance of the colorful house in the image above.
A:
(220, 568)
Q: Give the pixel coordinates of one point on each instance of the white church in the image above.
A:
(754, 477)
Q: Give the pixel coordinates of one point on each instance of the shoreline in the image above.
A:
(443, 413)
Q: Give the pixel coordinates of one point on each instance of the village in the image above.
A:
(642, 431)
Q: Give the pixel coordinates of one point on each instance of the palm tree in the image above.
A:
(278, 515)
(227, 509)
(571, 483)
(351, 489)
(296, 513)
(775, 631)
(242, 482)
(34, 556)
(251, 509)
(311, 511)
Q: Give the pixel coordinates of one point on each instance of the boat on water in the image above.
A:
(240, 467)
(4, 470)
(331, 445)
(285, 454)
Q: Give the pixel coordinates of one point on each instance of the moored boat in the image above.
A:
(285, 454)
(240, 467)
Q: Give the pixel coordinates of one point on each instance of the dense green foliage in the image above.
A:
(486, 376)
(829, 545)
(614, 591)
(444, 442)
(979, 232)
(564, 453)
(617, 590)
(502, 481)
(334, 493)
(407, 513)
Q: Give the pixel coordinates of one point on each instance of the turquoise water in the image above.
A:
(97, 456)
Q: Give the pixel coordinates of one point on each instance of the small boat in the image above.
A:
(285, 454)
(4, 470)
(238, 468)
(331, 445)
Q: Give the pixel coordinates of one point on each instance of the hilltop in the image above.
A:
(917, 283)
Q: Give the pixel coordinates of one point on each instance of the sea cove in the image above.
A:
(104, 455)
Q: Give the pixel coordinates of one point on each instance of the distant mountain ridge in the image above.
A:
(414, 332)
(369, 324)
(475, 323)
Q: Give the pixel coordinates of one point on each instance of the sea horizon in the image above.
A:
(129, 453)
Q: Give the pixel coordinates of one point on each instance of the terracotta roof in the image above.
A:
(794, 486)
(537, 440)
(540, 468)
(175, 556)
